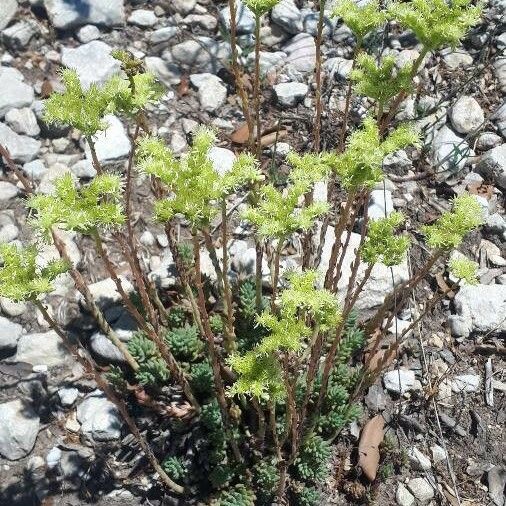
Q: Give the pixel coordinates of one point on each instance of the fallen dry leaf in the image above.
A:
(270, 139)
(240, 134)
(368, 448)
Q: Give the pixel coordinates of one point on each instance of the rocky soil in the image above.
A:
(443, 399)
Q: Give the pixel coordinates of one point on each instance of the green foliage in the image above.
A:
(450, 228)
(85, 109)
(87, 209)
(238, 495)
(382, 81)
(185, 251)
(193, 183)
(258, 369)
(359, 166)
(277, 214)
(307, 496)
(175, 468)
(201, 378)
(266, 477)
(210, 417)
(116, 378)
(361, 19)
(464, 269)
(216, 322)
(260, 7)
(152, 368)
(437, 23)
(311, 462)
(21, 279)
(383, 243)
(176, 317)
(184, 342)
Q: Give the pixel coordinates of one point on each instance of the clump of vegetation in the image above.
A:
(266, 376)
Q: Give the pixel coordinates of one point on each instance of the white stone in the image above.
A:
(168, 73)
(438, 453)
(112, 144)
(23, 121)
(15, 92)
(380, 204)
(288, 16)
(65, 14)
(87, 33)
(245, 19)
(421, 489)
(104, 291)
(9, 8)
(21, 148)
(7, 190)
(403, 496)
(380, 282)
(163, 34)
(92, 62)
(53, 457)
(11, 308)
(42, 349)
(142, 18)
(399, 381)
(223, 159)
(492, 165)
(466, 383)
(200, 54)
(301, 52)
(456, 59)
(211, 91)
(183, 6)
(418, 460)
(68, 395)
(10, 332)
(451, 148)
(269, 61)
(99, 418)
(290, 94)
(35, 169)
(105, 348)
(19, 426)
(466, 115)
(18, 35)
(482, 308)
(338, 66)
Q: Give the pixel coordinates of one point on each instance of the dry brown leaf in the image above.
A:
(368, 447)
(270, 139)
(240, 134)
(184, 87)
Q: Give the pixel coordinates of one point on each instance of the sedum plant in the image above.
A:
(261, 376)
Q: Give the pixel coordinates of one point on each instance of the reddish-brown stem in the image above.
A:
(17, 171)
(275, 273)
(172, 364)
(347, 105)
(256, 88)
(338, 231)
(213, 352)
(259, 256)
(230, 343)
(91, 368)
(318, 77)
(236, 70)
(94, 158)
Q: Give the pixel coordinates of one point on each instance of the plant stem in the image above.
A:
(82, 287)
(258, 274)
(91, 368)
(318, 77)
(230, 343)
(94, 158)
(275, 275)
(236, 70)
(213, 352)
(172, 364)
(256, 88)
(346, 117)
